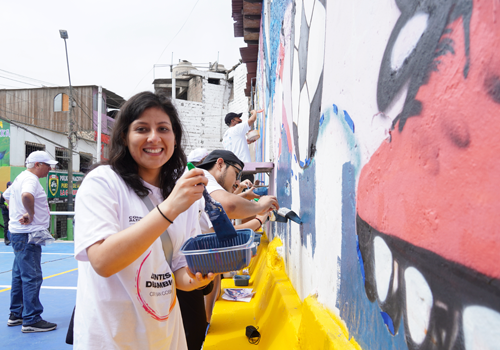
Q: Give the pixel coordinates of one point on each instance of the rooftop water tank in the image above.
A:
(181, 70)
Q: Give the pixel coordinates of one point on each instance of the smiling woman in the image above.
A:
(128, 276)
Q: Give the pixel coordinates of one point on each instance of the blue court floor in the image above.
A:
(58, 297)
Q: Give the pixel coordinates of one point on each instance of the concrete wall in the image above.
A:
(238, 102)
(204, 120)
(382, 120)
(18, 136)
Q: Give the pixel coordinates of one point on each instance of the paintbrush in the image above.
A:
(223, 227)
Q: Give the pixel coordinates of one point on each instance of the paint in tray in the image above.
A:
(223, 227)
(205, 253)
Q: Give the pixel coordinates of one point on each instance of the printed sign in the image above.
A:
(4, 143)
(57, 185)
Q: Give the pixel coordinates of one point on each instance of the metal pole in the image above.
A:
(174, 92)
(99, 117)
(70, 136)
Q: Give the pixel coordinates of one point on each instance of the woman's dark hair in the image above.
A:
(121, 160)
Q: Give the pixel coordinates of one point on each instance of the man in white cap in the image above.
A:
(29, 213)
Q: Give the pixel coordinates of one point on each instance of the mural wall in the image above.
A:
(382, 118)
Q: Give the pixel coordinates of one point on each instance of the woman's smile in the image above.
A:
(151, 143)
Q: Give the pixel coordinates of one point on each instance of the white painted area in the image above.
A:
(395, 279)
(316, 48)
(383, 267)
(357, 33)
(303, 122)
(419, 303)
(408, 39)
(295, 87)
(481, 327)
(297, 21)
(308, 9)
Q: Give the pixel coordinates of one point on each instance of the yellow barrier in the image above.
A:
(283, 321)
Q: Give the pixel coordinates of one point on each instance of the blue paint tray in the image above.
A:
(206, 253)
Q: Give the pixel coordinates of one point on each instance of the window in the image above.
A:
(62, 158)
(85, 162)
(61, 103)
(214, 81)
(32, 147)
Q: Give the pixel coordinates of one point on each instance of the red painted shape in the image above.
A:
(436, 185)
(104, 138)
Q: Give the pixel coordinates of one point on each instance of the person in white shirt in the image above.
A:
(197, 155)
(223, 170)
(29, 213)
(126, 294)
(234, 139)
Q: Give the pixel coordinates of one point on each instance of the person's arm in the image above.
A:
(113, 254)
(255, 223)
(253, 116)
(240, 208)
(249, 195)
(29, 204)
(242, 185)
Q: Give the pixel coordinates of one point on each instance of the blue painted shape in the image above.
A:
(284, 177)
(388, 321)
(307, 192)
(295, 177)
(360, 315)
(349, 121)
(292, 172)
(321, 119)
(301, 163)
(294, 156)
(335, 109)
(360, 260)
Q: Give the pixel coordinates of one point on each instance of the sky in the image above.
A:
(112, 43)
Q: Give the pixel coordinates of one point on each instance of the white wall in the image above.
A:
(19, 136)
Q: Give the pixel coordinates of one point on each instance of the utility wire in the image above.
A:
(168, 44)
(36, 134)
(23, 76)
(19, 81)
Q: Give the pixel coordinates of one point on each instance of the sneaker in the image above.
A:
(14, 320)
(40, 326)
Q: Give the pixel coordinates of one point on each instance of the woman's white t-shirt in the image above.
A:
(135, 308)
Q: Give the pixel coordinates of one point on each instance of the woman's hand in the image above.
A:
(185, 280)
(188, 189)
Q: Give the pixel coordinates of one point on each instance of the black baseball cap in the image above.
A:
(231, 116)
(212, 157)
